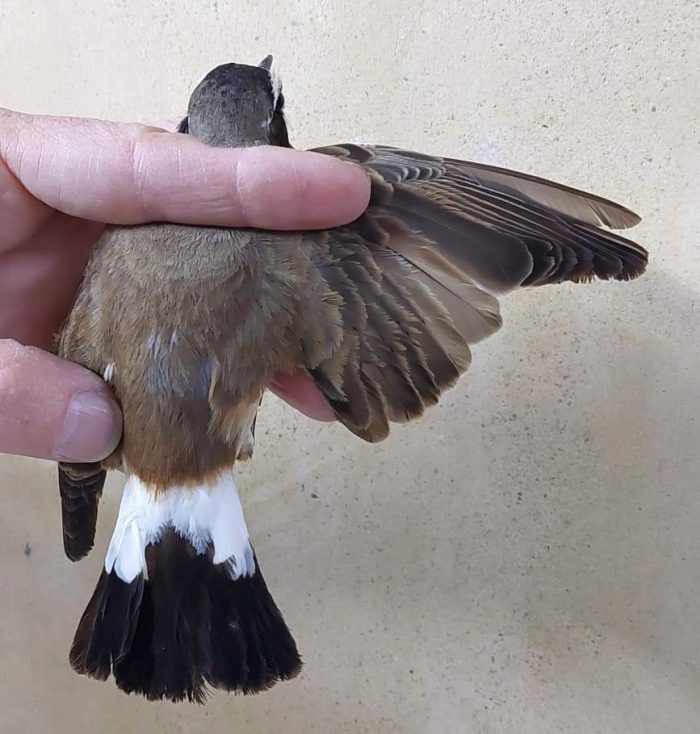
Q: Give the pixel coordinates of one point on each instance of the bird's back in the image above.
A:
(185, 324)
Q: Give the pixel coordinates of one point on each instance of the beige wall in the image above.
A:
(526, 559)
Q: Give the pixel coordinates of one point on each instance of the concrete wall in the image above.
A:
(527, 558)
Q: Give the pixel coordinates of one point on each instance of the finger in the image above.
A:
(299, 390)
(22, 214)
(38, 283)
(170, 124)
(53, 409)
(128, 173)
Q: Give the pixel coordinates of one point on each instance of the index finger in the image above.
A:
(127, 174)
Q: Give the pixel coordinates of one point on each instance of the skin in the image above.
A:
(61, 180)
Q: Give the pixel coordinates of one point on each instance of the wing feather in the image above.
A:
(419, 271)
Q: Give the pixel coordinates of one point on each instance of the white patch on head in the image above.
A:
(276, 83)
(203, 515)
(110, 371)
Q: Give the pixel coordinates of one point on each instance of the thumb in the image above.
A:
(53, 409)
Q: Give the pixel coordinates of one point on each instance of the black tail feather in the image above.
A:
(107, 627)
(261, 639)
(186, 628)
(81, 488)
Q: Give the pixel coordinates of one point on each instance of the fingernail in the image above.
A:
(91, 428)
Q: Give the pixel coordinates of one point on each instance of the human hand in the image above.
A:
(61, 179)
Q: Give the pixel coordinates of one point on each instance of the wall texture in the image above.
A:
(527, 558)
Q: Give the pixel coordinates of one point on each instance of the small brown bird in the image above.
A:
(190, 324)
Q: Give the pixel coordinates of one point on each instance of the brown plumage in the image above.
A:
(190, 324)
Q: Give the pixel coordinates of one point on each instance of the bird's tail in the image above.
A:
(181, 603)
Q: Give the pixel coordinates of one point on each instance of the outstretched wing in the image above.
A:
(419, 272)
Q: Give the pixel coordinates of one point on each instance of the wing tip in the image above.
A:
(627, 218)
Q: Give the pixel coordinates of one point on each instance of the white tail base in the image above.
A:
(203, 515)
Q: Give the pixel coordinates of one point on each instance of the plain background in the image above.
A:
(527, 558)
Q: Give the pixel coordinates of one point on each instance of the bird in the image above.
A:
(189, 325)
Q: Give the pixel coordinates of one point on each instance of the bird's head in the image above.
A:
(238, 105)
